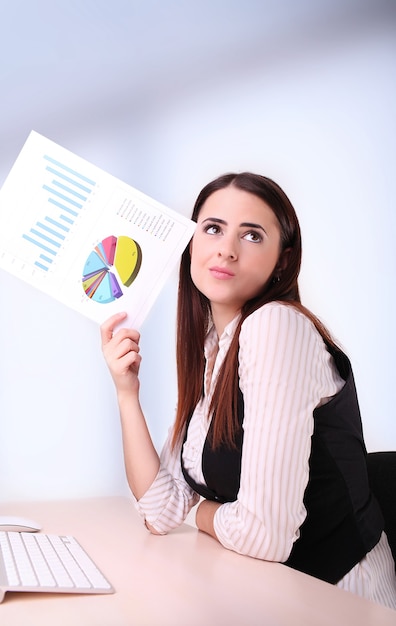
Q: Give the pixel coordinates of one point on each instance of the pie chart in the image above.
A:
(111, 266)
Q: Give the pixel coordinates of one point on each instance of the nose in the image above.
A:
(227, 249)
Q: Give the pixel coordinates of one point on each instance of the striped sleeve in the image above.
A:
(169, 499)
(285, 372)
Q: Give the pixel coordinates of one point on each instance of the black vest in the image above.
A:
(343, 521)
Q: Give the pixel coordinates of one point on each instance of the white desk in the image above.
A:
(185, 578)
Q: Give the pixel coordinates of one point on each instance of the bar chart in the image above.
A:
(64, 193)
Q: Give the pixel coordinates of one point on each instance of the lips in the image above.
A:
(221, 273)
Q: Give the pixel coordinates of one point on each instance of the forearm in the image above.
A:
(140, 457)
(204, 518)
(121, 351)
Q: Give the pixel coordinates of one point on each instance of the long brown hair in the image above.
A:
(193, 312)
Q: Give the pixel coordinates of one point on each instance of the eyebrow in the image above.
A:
(217, 220)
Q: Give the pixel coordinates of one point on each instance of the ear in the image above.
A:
(283, 260)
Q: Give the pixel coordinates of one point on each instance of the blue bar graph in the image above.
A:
(65, 193)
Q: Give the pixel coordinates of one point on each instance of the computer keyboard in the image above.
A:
(49, 563)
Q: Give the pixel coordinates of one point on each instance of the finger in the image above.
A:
(131, 334)
(107, 328)
(124, 346)
(125, 364)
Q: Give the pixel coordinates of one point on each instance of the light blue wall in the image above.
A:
(313, 109)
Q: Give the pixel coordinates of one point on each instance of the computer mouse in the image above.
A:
(14, 523)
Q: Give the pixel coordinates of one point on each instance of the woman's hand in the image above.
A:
(121, 352)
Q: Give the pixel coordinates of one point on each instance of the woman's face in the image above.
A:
(235, 250)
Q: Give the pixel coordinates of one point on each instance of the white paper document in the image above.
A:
(84, 237)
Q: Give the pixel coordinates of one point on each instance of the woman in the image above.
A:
(267, 430)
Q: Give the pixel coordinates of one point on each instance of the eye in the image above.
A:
(253, 236)
(212, 229)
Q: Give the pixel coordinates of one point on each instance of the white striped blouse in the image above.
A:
(285, 371)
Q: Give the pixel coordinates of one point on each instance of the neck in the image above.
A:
(222, 317)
